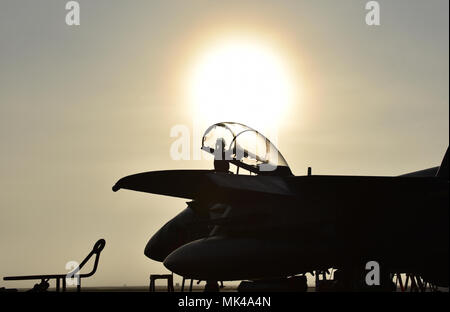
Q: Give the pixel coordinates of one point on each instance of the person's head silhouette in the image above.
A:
(220, 163)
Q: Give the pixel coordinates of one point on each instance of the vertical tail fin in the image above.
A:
(443, 169)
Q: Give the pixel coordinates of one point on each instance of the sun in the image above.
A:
(243, 81)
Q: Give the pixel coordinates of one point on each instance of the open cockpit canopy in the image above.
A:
(244, 147)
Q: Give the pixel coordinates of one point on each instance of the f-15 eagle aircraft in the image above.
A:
(271, 225)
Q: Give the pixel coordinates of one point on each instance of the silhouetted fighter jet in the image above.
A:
(273, 225)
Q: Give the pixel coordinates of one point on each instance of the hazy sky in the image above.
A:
(82, 106)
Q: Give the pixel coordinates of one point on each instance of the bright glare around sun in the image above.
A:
(240, 81)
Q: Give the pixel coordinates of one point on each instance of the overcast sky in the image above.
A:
(82, 106)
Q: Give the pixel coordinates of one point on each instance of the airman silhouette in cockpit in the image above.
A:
(220, 163)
